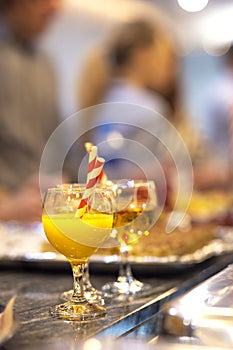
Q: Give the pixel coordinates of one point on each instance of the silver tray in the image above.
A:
(211, 321)
(22, 245)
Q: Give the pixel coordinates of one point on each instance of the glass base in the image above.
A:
(78, 312)
(124, 287)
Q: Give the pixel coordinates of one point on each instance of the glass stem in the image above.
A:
(125, 271)
(78, 290)
(86, 278)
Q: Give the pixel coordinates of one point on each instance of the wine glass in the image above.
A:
(91, 293)
(77, 234)
(136, 204)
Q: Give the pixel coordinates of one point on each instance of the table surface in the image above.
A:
(38, 289)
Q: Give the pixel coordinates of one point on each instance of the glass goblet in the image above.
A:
(136, 204)
(77, 234)
(91, 293)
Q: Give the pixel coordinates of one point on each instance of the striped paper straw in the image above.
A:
(92, 159)
(102, 177)
(95, 167)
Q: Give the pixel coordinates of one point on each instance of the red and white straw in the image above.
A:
(95, 167)
(102, 176)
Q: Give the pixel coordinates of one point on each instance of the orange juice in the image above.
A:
(77, 238)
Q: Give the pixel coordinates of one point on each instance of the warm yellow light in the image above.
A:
(192, 5)
(91, 344)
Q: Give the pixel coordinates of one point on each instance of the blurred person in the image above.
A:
(215, 123)
(216, 116)
(138, 65)
(28, 105)
(131, 67)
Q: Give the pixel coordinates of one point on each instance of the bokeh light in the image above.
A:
(192, 5)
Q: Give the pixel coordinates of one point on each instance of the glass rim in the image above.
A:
(76, 188)
(80, 187)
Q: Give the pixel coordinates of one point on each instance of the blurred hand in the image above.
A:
(25, 205)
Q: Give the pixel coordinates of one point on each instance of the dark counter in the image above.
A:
(39, 289)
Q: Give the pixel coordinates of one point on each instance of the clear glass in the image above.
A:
(91, 293)
(77, 234)
(136, 203)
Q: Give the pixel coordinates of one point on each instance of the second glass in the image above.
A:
(136, 203)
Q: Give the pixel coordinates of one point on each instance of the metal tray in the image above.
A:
(211, 321)
(22, 245)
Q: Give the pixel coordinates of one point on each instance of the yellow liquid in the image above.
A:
(132, 223)
(77, 238)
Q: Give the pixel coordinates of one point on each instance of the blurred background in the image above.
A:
(203, 28)
(178, 61)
